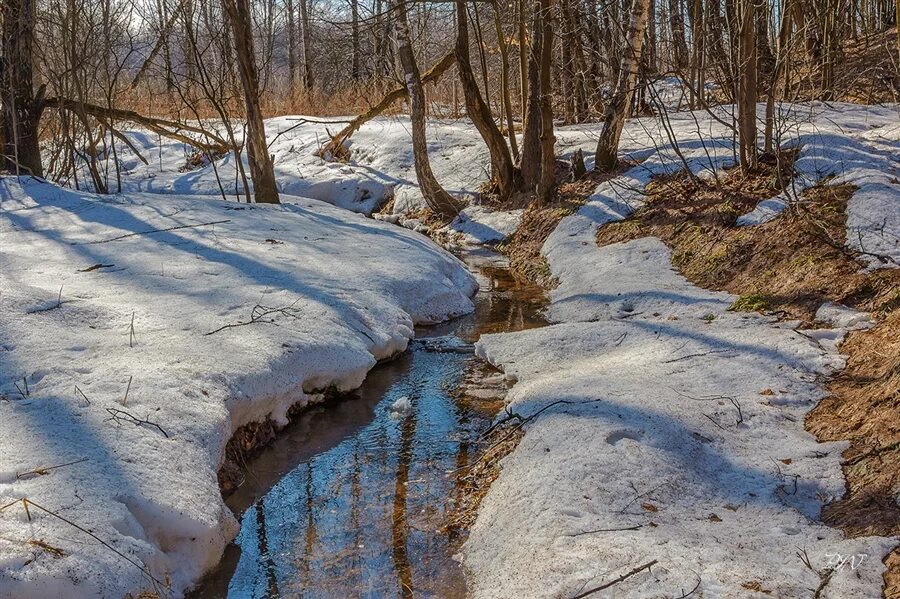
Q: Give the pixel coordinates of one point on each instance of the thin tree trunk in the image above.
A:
(504, 86)
(261, 168)
(354, 34)
(292, 46)
(780, 59)
(530, 160)
(547, 184)
(306, 78)
(614, 117)
(676, 23)
(435, 196)
(746, 100)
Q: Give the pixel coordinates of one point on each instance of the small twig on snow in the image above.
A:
(119, 416)
(621, 578)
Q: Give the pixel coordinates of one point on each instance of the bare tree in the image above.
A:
(435, 196)
(617, 109)
(261, 168)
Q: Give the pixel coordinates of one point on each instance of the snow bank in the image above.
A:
(670, 429)
(103, 298)
(478, 225)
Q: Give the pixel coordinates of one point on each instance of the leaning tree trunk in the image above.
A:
(19, 110)
(614, 117)
(261, 168)
(502, 170)
(435, 196)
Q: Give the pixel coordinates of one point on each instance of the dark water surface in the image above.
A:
(352, 497)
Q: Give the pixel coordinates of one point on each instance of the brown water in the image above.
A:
(352, 498)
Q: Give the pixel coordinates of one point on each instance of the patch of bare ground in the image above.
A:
(790, 266)
(539, 220)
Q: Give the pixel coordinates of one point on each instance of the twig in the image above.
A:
(43, 471)
(131, 331)
(151, 231)
(693, 590)
(123, 416)
(590, 532)
(259, 312)
(625, 576)
(141, 567)
(127, 389)
(80, 392)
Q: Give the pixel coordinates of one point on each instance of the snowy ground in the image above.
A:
(662, 450)
(672, 429)
(109, 309)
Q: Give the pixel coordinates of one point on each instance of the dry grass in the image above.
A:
(790, 266)
(867, 74)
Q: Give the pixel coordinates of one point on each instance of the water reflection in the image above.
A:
(350, 499)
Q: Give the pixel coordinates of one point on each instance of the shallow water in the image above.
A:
(352, 498)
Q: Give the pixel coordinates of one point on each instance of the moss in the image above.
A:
(750, 302)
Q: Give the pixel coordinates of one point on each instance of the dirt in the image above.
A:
(789, 267)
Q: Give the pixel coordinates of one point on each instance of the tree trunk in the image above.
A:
(530, 161)
(504, 86)
(747, 92)
(679, 45)
(502, 169)
(261, 168)
(547, 183)
(436, 198)
(20, 110)
(614, 117)
(306, 78)
(780, 60)
(292, 46)
(354, 34)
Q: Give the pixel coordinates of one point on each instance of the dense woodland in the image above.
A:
(207, 72)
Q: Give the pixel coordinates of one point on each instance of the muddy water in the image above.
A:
(352, 498)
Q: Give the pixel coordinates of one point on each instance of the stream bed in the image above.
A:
(353, 497)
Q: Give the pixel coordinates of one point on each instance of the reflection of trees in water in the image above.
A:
(399, 523)
(262, 541)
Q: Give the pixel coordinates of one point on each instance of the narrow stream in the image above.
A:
(352, 498)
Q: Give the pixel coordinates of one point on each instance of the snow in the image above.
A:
(665, 427)
(331, 291)
(401, 405)
(478, 225)
(674, 409)
(764, 211)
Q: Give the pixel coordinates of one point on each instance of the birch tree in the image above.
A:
(617, 109)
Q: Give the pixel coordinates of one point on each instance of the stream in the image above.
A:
(353, 497)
